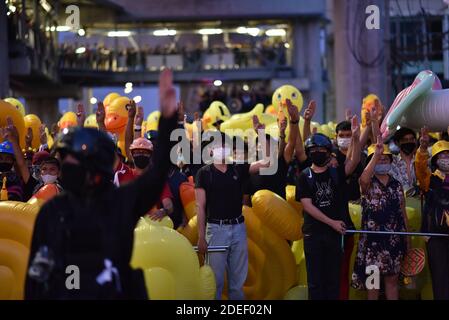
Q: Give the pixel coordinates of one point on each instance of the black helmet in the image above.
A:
(93, 148)
(318, 140)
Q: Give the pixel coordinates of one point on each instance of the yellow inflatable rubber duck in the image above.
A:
(109, 98)
(91, 121)
(116, 119)
(32, 121)
(283, 93)
(16, 103)
(153, 121)
(8, 110)
(68, 120)
(217, 111)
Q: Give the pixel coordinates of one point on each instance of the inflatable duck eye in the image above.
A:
(279, 96)
(294, 95)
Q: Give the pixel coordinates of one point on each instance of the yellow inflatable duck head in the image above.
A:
(283, 93)
(68, 120)
(153, 121)
(117, 115)
(91, 121)
(32, 121)
(368, 105)
(170, 264)
(16, 103)
(8, 110)
(217, 111)
(109, 98)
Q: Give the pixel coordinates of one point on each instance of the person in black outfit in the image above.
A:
(219, 195)
(321, 190)
(91, 224)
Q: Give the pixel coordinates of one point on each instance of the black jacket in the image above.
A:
(436, 202)
(82, 231)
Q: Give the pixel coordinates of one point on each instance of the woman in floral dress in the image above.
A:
(382, 210)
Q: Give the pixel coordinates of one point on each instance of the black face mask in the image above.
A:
(141, 162)
(73, 178)
(408, 147)
(5, 166)
(320, 159)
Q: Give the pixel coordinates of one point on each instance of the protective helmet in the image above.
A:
(6, 147)
(141, 144)
(151, 135)
(372, 149)
(438, 147)
(318, 140)
(93, 148)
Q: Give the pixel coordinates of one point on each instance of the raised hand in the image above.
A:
(310, 111)
(355, 128)
(131, 107)
(42, 135)
(424, 140)
(348, 114)
(181, 112)
(29, 138)
(138, 120)
(100, 114)
(256, 124)
(379, 147)
(167, 94)
(10, 132)
(293, 111)
(379, 110)
(80, 115)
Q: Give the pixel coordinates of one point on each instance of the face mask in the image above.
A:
(48, 178)
(5, 167)
(320, 159)
(219, 154)
(443, 165)
(73, 177)
(382, 168)
(343, 143)
(141, 162)
(408, 147)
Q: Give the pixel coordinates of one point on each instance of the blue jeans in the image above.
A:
(235, 259)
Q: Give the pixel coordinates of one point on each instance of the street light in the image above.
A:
(122, 33)
(210, 31)
(218, 83)
(275, 32)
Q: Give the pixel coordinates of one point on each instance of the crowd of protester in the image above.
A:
(83, 226)
(97, 56)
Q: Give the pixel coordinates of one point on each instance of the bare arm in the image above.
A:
(200, 197)
(354, 160)
(10, 133)
(308, 115)
(100, 116)
(316, 213)
(294, 132)
(129, 131)
(365, 178)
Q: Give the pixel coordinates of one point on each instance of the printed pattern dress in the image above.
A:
(381, 211)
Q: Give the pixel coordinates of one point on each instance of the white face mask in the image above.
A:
(48, 178)
(443, 165)
(343, 143)
(219, 154)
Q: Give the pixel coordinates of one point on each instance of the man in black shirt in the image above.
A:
(321, 191)
(91, 224)
(278, 181)
(219, 194)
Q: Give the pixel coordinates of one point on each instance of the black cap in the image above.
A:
(93, 148)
